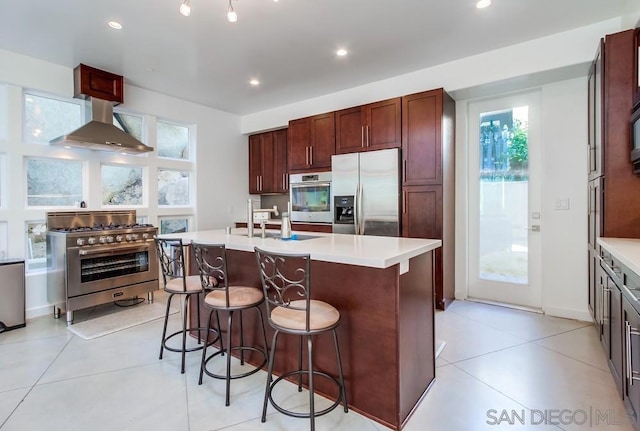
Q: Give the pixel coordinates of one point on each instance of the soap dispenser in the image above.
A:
(285, 229)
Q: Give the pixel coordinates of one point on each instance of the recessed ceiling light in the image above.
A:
(483, 4)
(115, 24)
(254, 82)
(341, 52)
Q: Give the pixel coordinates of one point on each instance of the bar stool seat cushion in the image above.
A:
(322, 315)
(192, 282)
(239, 296)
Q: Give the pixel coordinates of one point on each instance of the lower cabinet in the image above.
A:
(631, 330)
(611, 338)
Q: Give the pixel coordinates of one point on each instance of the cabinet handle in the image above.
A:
(362, 136)
(629, 331)
(283, 182)
(367, 136)
(306, 155)
(404, 170)
(404, 202)
(258, 182)
(311, 156)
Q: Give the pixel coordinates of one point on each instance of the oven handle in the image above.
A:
(101, 250)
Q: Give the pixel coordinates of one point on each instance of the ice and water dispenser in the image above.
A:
(343, 210)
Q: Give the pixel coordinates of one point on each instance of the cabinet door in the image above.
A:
(422, 212)
(615, 319)
(267, 183)
(298, 142)
(255, 163)
(280, 174)
(323, 140)
(595, 100)
(383, 128)
(349, 131)
(422, 138)
(631, 321)
(595, 211)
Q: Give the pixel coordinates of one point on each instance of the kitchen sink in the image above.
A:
(294, 237)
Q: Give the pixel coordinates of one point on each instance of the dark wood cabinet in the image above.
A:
(92, 82)
(595, 121)
(311, 143)
(428, 180)
(612, 328)
(267, 162)
(375, 126)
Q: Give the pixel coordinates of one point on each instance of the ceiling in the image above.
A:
(288, 45)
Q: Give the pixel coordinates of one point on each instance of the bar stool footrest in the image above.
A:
(299, 414)
(195, 348)
(234, 376)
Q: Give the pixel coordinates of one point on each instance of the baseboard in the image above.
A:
(44, 310)
(569, 313)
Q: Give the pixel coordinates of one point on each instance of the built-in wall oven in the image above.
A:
(95, 257)
(311, 197)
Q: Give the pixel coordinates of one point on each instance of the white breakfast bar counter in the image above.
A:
(383, 288)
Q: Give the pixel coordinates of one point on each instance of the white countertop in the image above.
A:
(372, 251)
(627, 250)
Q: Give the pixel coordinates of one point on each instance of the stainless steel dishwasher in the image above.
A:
(12, 296)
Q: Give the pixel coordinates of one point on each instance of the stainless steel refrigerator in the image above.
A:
(366, 193)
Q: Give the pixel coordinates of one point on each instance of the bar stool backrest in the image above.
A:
(212, 266)
(285, 278)
(171, 257)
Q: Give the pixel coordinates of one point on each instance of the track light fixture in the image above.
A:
(185, 7)
(232, 16)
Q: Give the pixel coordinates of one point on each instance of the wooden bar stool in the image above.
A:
(222, 297)
(176, 282)
(286, 281)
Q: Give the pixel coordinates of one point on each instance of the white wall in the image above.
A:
(221, 156)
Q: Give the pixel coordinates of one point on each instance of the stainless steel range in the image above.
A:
(95, 257)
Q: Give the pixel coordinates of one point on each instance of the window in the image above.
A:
(3, 180)
(36, 245)
(173, 187)
(46, 118)
(52, 182)
(3, 112)
(131, 124)
(173, 140)
(122, 185)
(173, 224)
(4, 234)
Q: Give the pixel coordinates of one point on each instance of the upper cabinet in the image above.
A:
(268, 162)
(422, 138)
(311, 143)
(375, 126)
(92, 82)
(595, 92)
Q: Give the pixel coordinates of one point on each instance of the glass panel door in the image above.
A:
(504, 204)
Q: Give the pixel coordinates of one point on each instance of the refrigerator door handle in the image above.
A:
(361, 217)
(356, 211)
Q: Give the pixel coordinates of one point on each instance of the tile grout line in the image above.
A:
(497, 390)
(36, 382)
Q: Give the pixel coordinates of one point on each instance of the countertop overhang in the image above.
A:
(627, 250)
(370, 251)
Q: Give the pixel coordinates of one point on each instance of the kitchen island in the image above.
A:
(383, 288)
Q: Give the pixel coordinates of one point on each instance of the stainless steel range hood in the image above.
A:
(100, 133)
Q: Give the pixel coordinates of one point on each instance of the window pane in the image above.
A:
(46, 118)
(36, 245)
(4, 234)
(121, 185)
(131, 124)
(53, 182)
(173, 187)
(173, 225)
(504, 185)
(173, 141)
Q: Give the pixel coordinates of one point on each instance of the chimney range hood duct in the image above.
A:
(100, 133)
(102, 89)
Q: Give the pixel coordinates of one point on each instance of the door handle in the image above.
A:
(533, 228)
(311, 155)
(362, 136)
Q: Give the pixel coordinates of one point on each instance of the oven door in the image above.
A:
(99, 268)
(311, 202)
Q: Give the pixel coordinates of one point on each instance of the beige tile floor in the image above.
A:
(498, 365)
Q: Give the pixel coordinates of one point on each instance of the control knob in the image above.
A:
(145, 235)
(128, 237)
(134, 236)
(80, 241)
(119, 238)
(109, 239)
(103, 240)
(91, 240)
